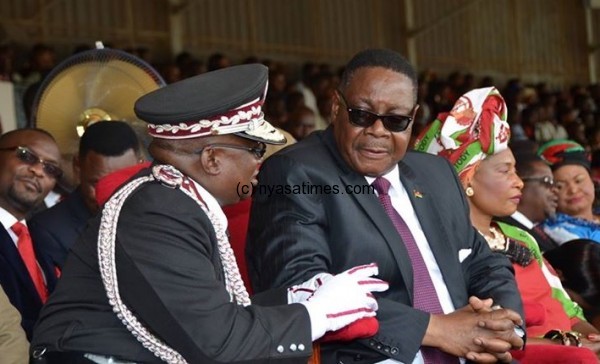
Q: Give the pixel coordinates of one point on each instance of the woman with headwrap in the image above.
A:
(474, 138)
(575, 218)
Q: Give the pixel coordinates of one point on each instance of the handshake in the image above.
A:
(334, 302)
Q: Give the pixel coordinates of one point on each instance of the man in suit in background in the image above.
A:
(29, 169)
(314, 211)
(539, 199)
(106, 146)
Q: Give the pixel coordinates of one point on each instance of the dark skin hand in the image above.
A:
(476, 332)
(590, 338)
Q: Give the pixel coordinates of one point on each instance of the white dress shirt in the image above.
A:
(8, 220)
(402, 204)
(523, 219)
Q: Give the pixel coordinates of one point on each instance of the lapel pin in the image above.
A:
(417, 194)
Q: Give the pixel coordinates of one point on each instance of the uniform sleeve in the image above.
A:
(287, 240)
(170, 241)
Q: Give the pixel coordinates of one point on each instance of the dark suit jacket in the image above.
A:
(166, 237)
(294, 236)
(544, 241)
(17, 284)
(56, 229)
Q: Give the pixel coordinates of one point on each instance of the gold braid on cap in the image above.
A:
(171, 177)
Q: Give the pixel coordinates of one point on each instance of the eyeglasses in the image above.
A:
(364, 119)
(258, 151)
(28, 157)
(547, 181)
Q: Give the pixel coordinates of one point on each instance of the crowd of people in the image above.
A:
(475, 236)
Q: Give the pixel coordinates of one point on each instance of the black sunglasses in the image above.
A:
(258, 151)
(28, 157)
(364, 119)
(547, 181)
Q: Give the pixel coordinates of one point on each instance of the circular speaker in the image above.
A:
(100, 84)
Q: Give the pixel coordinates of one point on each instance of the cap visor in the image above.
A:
(265, 133)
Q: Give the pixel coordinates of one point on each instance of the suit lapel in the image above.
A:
(9, 250)
(374, 211)
(433, 227)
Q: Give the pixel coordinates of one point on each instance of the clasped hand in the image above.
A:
(477, 332)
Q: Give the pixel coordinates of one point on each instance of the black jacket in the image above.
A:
(340, 223)
(170, 276)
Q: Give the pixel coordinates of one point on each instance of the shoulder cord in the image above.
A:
(171, 177)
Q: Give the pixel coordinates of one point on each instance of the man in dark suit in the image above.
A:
(29, 169)
(153, 278)
(539, 199)
(314, 211)
(106, 146)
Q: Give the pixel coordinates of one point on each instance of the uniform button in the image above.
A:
(394, 350)
(372, 342)
(293, 347)
(301, 347)
(379, 346)
(386, 349)
(280, 349)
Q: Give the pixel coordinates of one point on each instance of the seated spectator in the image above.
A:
(577, 263)
(538, 200)
(301, 122)
(548, 128)
(105, 147)
(216, 61)
(575, 218)
(486, 168)
(30, 168)
(296, 236)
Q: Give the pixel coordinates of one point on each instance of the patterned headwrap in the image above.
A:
(558, 153)
(475, 128)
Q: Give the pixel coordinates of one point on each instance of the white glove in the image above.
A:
(302, 292)
(343, 299)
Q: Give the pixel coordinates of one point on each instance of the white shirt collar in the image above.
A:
(392, 176)
(524, 220)
(8, 220)
(211, 203)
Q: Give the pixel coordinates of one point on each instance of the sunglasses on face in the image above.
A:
(547, 181)
(258, 151)
(28, 157)
(364, 118)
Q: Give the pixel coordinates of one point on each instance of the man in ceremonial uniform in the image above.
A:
(154, 279)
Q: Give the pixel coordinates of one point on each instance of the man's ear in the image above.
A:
(210, 161)
(335, 106)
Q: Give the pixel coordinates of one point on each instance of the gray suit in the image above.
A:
(292, 237)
